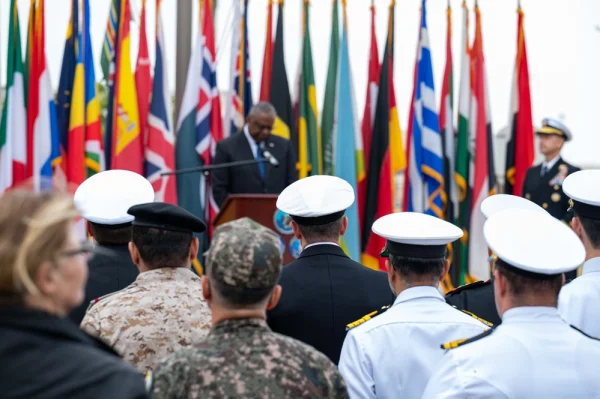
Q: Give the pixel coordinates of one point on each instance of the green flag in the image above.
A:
(328, 117)
(108, 47)
(310, 159)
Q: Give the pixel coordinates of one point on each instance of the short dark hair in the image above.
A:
(592, 230)
(240, 297)
(417, 268)
(321, 232)
(109, 235)
(521, 282)
(162, 248)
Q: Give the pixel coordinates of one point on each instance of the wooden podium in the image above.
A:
(261, 208)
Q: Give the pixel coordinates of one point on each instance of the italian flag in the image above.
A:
(13, 128)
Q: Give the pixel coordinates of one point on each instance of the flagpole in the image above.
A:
(184, 49)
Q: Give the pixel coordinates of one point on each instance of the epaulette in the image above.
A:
(367, 317)
(96, 300)
(487, 323)
(468, 286)
(464, 341)
(584, 333)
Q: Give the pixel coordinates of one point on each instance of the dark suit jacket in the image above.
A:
(323, 291)
(246, 179)
(45, 356)
(108, 274)
(547, 191)
(477, 298)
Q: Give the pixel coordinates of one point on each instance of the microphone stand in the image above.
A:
(206, 169)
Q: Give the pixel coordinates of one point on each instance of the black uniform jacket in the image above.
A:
(110, 271)
(246, 179)
(323, 291)
(477, 298)
(547, 191)
(45, 356)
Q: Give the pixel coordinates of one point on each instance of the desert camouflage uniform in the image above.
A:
(243, 357)
(161, 312)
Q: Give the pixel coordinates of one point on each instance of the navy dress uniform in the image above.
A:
(478, 297)
(533, 353)
(544, 187)
(324, 290)
(104, 199)
(579, 301)
(393, 354)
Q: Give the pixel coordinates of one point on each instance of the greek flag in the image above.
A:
(426, 176)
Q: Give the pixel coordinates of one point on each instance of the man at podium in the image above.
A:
(255, 141)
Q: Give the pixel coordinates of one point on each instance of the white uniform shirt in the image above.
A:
(532, 354)
(393, 355)
(579, 301)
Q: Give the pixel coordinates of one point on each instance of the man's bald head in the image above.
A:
(260, 121)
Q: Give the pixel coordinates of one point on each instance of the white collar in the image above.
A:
(320, 243)
(550, 164)
(591, 266)
(530, 314)
(251, 141)
(417, 293)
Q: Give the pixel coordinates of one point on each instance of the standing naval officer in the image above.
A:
(533, 354)
(163, 310)
(579, 301)
(254, 142)
(103, 200)
(393, 355)
(323, 290)
(242, 357)
(478, 297)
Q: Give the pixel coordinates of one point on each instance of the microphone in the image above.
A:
(272, 160)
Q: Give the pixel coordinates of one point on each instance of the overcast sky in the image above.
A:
(563, 41)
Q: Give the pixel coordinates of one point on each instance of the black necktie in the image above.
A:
(544, 170)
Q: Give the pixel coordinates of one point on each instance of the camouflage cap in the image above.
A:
(245, 254)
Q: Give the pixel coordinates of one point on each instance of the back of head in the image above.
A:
(524, 243)
(34, 227)
(244, 263)
(103, 200)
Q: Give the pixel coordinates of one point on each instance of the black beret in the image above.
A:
(164, 216)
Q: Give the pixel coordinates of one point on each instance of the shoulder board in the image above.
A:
(464, 341)
(487, 323)
(587, 335)
(468, 286)
(367, 317)
(96, 300)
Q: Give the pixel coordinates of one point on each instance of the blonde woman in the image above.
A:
(43, 272)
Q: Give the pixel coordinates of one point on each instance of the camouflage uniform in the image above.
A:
(161, 312)
(243, 357)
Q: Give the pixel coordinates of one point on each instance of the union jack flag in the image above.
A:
(159, 155)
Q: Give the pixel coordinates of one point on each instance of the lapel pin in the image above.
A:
(271, 145)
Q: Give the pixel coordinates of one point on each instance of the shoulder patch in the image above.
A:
(367, 317)
(464, 341)
(582, 332)
(487, 323)
(468, 286)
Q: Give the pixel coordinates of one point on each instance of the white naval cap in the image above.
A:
(316, 200)
(528, 240)
(582, 188)
(553, 126)
(415, 235)
(105, 197)
(499, 202)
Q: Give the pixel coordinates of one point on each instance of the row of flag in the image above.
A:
(447, 165)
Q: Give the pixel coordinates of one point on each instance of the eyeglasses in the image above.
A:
(86, 249)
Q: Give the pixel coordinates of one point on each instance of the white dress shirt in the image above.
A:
(550, 164)
(579, 301)
(394, 354)
(253, 144)
(532, 354)
(320, 243)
